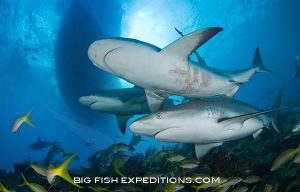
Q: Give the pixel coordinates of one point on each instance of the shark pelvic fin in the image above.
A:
(240, 119)
(154, 100)
(122, 122)
(274, 116)
(202, 149)
(256, 134)
(186, 45)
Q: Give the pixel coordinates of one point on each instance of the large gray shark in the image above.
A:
(169, 71)
(124, 103)
(206, 123)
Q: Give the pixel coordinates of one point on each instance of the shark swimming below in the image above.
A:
(169, 71)
(207, 123)
(40, 144)
(124, 103)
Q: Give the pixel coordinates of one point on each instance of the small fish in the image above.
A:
(136, 139)
(230, 182)
(89, 144)
(189, 165)
(296, 128)
(240, 189)
(268, 188)
(17, 123)
(123, 147)
(173, 187)
(33, 186)
(252, 179)
(297, 158)
(284, 157)
(175, 158)
(4, 189)
(118, 162)
(210, 184)
(62, 171)
(99, 188)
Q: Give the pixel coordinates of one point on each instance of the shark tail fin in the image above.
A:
(26, 118)
(62, 171)
(25, 181)
(274, 116)
(258, 64)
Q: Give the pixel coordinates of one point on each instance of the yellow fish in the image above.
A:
(62, 171)
(33, 186)
(4, 189)
(119, 161)
(297, 158)
(173, 187)
(252, 179)
(284, 157)
(17, 123)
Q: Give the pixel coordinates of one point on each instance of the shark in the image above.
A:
(40, 144)
(207, 123)
(169, 71)
(124, 103)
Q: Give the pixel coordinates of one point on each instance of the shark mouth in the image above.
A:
(107, 54)
(160, 131)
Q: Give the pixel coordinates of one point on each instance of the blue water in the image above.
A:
(44, 64)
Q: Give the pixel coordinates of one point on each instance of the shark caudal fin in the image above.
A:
(258, 63)
(241, 76)
(26, 118)
(62, 171)
(274, 116)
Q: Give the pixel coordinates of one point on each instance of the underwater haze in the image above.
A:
(45, 67)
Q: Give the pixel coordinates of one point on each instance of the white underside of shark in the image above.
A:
(168, 71)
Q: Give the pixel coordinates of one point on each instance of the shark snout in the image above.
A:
(141, 127)
(99, 50)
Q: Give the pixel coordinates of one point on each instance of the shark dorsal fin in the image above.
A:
(240, 119)
(186, 45)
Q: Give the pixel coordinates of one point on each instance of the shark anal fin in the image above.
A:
(186, 45)
(202, 149)
(256, 134)
(122, 122)
(242, 118)
(154, 100)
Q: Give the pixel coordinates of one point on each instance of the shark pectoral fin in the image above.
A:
(154, 100)
(186, 45)
(203, 149)
(122, 122)
(256, 134)
(226, 121)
